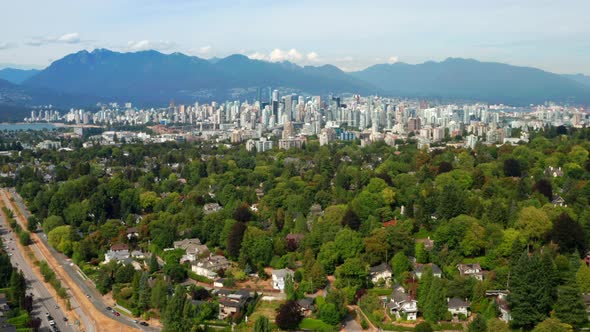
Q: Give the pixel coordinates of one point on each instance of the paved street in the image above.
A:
(43, 302)
(76, 275)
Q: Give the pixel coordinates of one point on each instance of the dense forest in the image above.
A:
(521, 212)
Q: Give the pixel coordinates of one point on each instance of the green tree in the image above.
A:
(262, 324)
(570, 307)
(436, 303)
(329, 314)
(61, 238)
(583, 278)
(52, 222)
(533, 223)
(353, 273)
(423, 327)
(348, 243)
(18, 288)
(153, 264)
(552, 325)
(400, 264)
(317, 276)
(234, 239)
(257, 248)
(478, 324)
(497, 325)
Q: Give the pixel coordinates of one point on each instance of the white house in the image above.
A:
(419, 269)
(279, 277)
(208, 267)
(456, 307)
(401, 303)
(380, 272)
(471, 270)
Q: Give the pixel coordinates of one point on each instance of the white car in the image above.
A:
(52, 322)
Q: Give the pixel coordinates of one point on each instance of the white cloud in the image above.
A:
(205, 49)
(69, 38)
(392, 59)
(257, 56)
(292, 55)
(143, 45)
(312, 56)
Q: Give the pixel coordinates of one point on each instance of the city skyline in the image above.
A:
(538, 34)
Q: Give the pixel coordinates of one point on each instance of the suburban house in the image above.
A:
(419, 269)
(132, 233)
(500, 297)
(232, 303)
(211, 208)
(306, 306)
(456, 306)
(209, 266)
(553, 171)
(428, 243)
(279, 277)
(120, 254)
(558, 201)
(380, 272)
(471, 270)
(193, 249)
(401, 304)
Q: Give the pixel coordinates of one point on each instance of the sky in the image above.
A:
(551, 35)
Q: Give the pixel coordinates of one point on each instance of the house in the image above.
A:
(558, 201)
(193, 249)
(210, 266)
(471, 270)
(380, 272)
(457, 307)
(132, 233)
(118, 253)
(401, 304)
(279, 277)
(218, 283)
(500, 297)
(306, 306)
(419, 268)
(553, 171)
(211, 208)
(232, 303)
(428, 243)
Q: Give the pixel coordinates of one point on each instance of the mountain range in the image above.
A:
(154, 78)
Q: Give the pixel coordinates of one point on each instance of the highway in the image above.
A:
(43, 302)
(78, 277)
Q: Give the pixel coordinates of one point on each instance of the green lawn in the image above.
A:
(315, 325)
(380, 291)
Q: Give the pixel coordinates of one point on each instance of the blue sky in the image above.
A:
(552, 35)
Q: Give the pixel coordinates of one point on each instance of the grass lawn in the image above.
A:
(315, 325)
(422, 234)
(380, 291)
(265, 308)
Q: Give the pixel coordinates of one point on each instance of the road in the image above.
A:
(77, 276)
(43, 302)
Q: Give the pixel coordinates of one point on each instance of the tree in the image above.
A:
(543, 186)
(124, 274)
(478, 324)
(552, 325)
(234, 240)
(568, 234)
(512, 168)
(52, 222)
(436, 302)
(351, 219)
(153, 264)
(18, 288)
(348, 244)
(24, 238)
(353, 273)
(533, 223)
(532, 292)
(329, 314)
(257, 248)
(61, 238)
(497, 325)
(583, 278)
(317, 276)
(570, 307)
(400, 264)
(262, 324)
(423, 327)
(288, 315)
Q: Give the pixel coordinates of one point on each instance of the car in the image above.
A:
(135, 321)
(49, 317)
(144, 324)
(109, 308)
(52, 322)
(116, 314)
(65, 319)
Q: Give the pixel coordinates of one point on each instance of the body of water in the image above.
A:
(26, 126)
